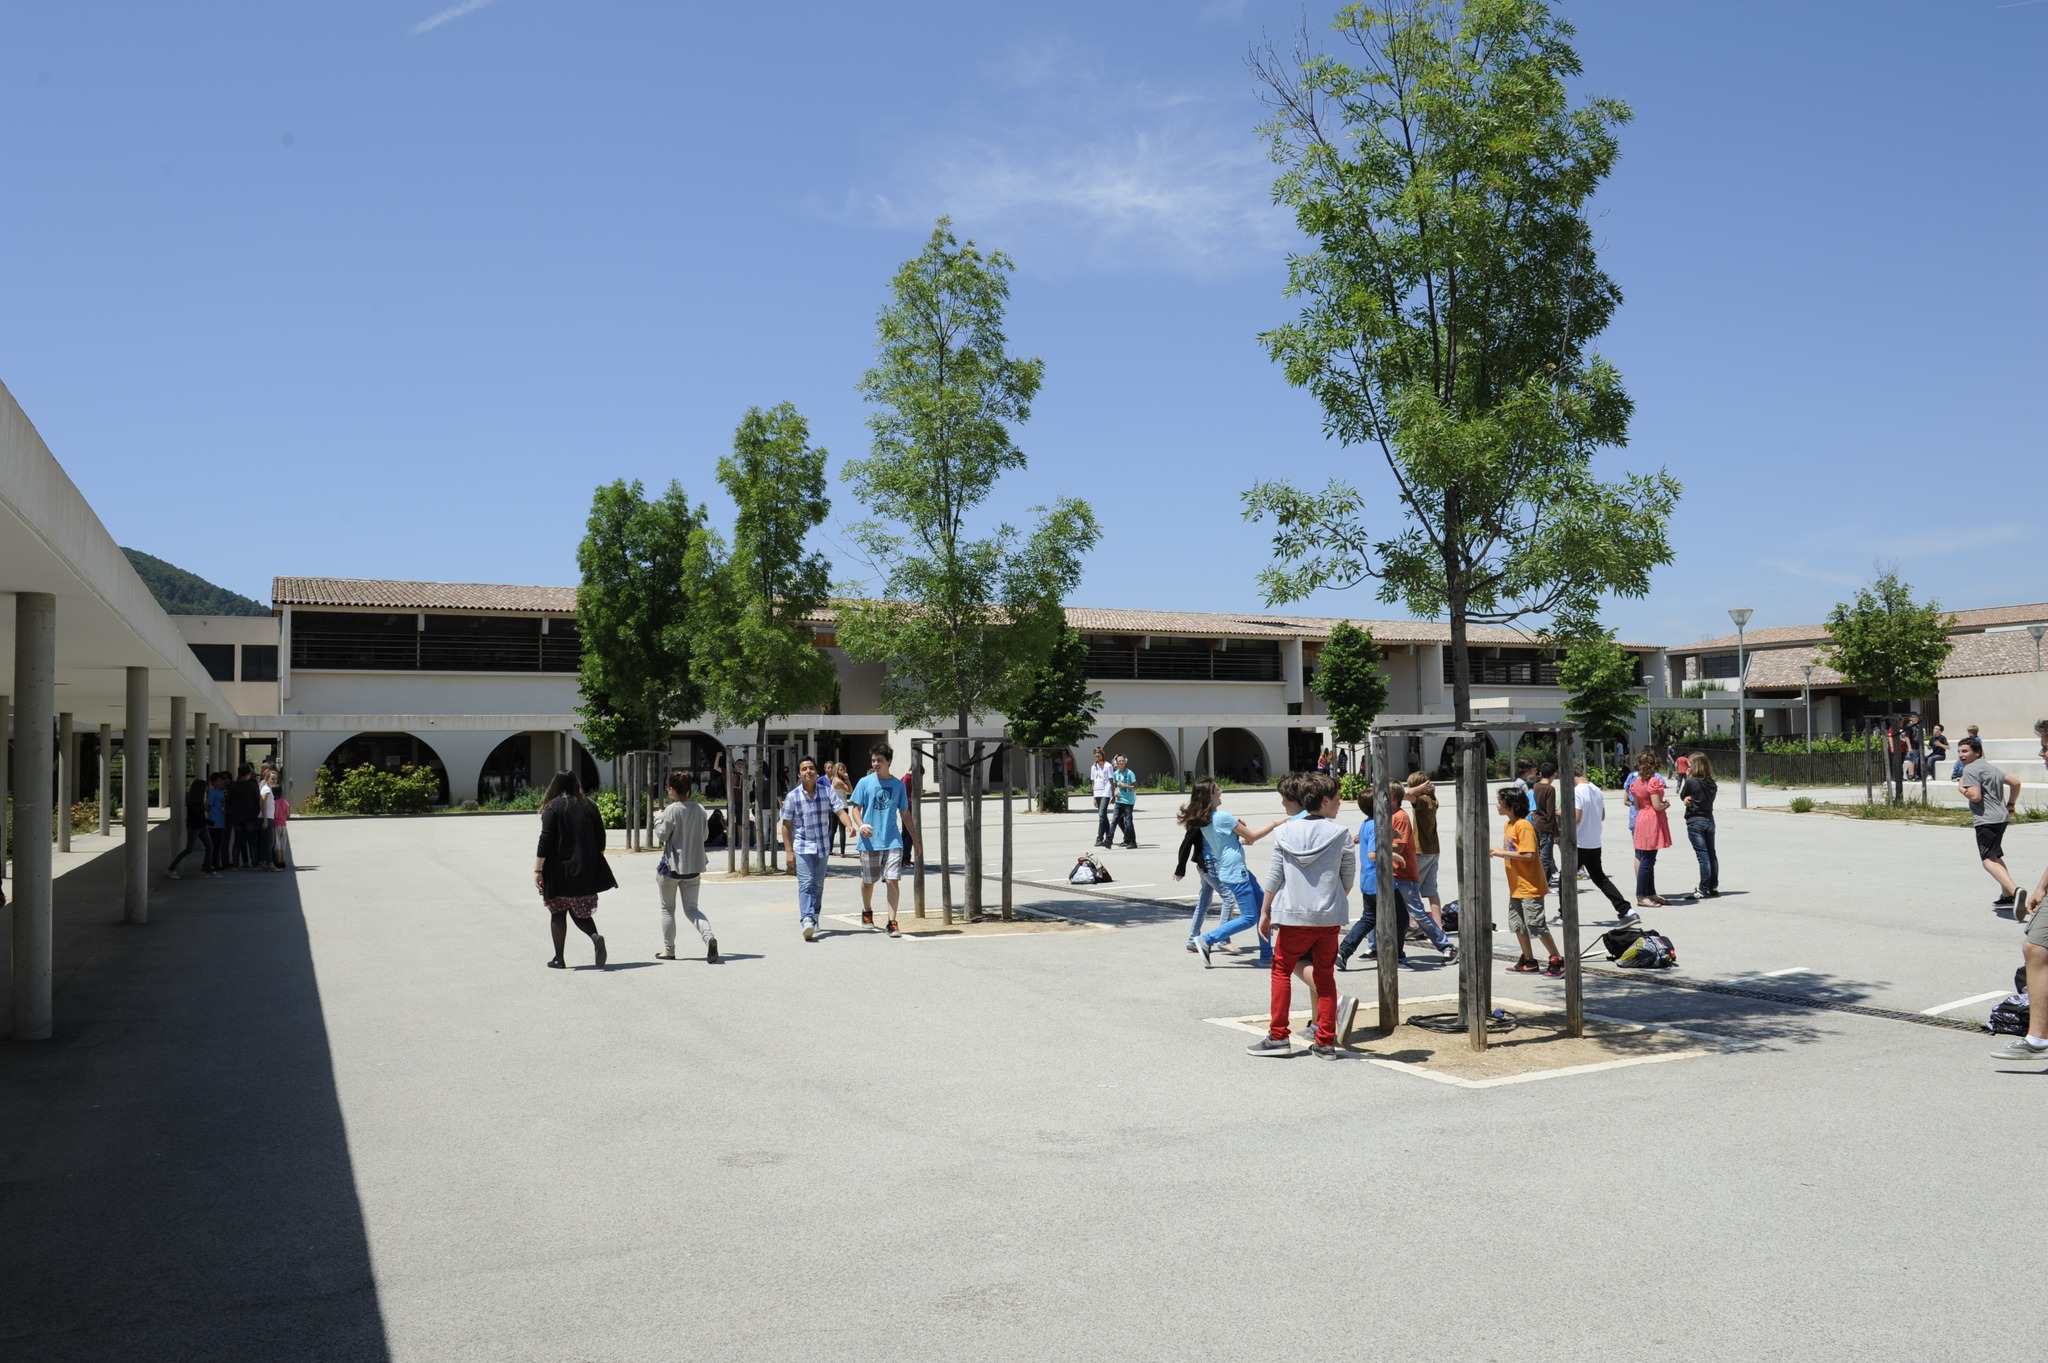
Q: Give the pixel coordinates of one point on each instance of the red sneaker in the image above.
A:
(1556, 967)
(1526, 966)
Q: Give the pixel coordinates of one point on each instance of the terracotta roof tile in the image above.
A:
(1988, 617)
(382, 593)
(1975, 655)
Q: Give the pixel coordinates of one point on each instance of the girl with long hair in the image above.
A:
(842, 782)
(569, 866)
(1203, 801)
(1652, 828)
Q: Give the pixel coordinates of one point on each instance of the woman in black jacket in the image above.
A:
(1696, 789)
(569, 866)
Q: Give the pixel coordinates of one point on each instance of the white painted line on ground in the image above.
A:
(1788, 970)
(1147, 885)
(1962, 1003)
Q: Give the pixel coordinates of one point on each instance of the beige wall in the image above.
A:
(2004, 707)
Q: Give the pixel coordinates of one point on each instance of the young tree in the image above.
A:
(1891, 648)
(959, 620)
(1349, 680)
(757, 657)
(648, 568)
(1599, 678)
(1449, 299)
(1056, 709)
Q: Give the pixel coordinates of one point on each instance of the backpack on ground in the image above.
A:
(1639, 949)
(1088, 871)
(2014, 1014)
(1450, 916)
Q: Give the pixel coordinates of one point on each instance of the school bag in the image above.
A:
(1639, 949)
(2014, 1014)
(1450, 916)
(1088, 871)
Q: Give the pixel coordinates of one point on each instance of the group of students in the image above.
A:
(235, 822)
(1300, 907)
(1116, 799)
(570, 870)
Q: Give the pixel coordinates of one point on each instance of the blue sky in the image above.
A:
(382, 288)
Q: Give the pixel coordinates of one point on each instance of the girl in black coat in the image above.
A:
(569, 866)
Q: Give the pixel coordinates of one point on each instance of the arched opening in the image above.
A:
(1447, 757)
(387, 752)
(1149, 754)
(1239, 757)
(509, 769)
(699, 754)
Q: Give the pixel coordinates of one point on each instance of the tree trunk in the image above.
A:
(970, 820)
(1461, 663)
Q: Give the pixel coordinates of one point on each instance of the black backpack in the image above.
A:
(1637, 948)
(1451, 916)
(2012, 1016)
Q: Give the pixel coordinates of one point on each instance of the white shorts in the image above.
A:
(882, 864)
(1426, 874)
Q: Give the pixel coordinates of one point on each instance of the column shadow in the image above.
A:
(177, 1175)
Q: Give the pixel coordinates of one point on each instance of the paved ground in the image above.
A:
(346, 1114)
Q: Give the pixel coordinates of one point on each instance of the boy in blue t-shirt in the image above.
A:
(217, 823)
(1126, 782)
(880, 808)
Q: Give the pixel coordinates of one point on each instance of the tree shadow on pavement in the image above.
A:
(177, 1175)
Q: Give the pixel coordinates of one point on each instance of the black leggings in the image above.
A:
(195, 841)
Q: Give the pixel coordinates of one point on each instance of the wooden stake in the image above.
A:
(1568, 880)
(1387, 934)
(1475, 890)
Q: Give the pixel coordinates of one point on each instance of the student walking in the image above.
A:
(280, 836)
(1591, 807)
(679, 831)
(1102, 779)
(245, 812)
(266, 795)
(2033, 1047)
(1990, 793)
(1408, 911)
(1223, 840)
(1526, 884)
(1651, 828)
(569, 865)
(808, 812)
(1193, 817)
(880, 811)
(1422, 808)
(1696, 797)
(195, 831)
(842, 785)
(1307, 889)
(1126, 782)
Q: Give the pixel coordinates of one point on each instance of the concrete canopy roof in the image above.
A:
(107, 621)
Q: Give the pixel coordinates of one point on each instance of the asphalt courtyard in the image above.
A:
(347, 1114)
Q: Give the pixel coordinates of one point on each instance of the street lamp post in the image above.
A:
(2037, 631)
(1740, 615)
(1806, 703)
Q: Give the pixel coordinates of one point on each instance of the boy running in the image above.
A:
(1526, 885)
(880, 809)
(1990, 793)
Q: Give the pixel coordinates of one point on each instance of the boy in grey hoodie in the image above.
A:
(1307, 900)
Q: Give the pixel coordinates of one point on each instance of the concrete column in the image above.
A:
(6, 729)
(67, 779)
(201, 766)
(1290, 671)
(174, 774)
(212, 748)
(35, 694)
(135, 798)
(106, 736)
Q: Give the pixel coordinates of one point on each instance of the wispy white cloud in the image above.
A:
(451, 14)
(1089, 176)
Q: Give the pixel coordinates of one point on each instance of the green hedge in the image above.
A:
(368, 790)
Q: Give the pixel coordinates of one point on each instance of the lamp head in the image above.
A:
(2037, 631)
(1740, 615)
(1808, 670)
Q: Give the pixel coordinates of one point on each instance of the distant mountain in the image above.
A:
(183, 593)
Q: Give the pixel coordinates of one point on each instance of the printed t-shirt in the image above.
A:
(880, 803)
(1525, 878)
(1403, 850)
(1592, 806)
(1127, 787)
(1104, 777)
(1226, 853)
(1990, 809)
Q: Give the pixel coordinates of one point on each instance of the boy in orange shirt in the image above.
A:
(1526, 883)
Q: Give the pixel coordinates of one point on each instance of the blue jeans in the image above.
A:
(1123, 822)
(810, 885)
(1701, 832)
(1407, 909)
(1211, 888)
(1103, 804)
(1246, 894)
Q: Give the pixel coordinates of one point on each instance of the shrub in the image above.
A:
(1802, 805)
(1053, 800)
(526, 798)
(1352, 784)
(85, 816)
(470, 806)
(367, 790)
(610, 808)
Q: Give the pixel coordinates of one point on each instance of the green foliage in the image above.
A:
(1887, 645)
(1447, 305)
(1056, 709)
(1598, 676)
(960, 621)
(1052, 799)
(647, 570)
(371, 790)
(85, 816)
(610, 808)
(183, 593)
(1829, 743)
(1677, 726)
(1607, 778)
(1801, 804)
(757, 656)
(1351, 785)
(526, 798)
(1349, 680)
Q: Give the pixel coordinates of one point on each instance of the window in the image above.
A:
(324, 639)
(217, 659)
(332, 640)
(1519, 667)
(259, 662)
(1714, 665)
(1123, 658)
